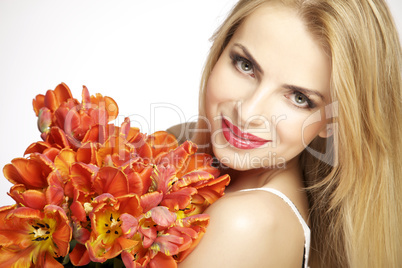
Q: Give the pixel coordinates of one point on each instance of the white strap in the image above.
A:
(306, 229)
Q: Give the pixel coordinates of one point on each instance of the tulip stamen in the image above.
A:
(113, 225)
(88, 207)
(41, 232)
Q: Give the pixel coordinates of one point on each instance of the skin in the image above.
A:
(257, 228)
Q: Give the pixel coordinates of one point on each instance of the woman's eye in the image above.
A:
(243, 65)
(300, 100)
(246, 66)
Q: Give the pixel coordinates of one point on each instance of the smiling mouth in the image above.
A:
(240, 139)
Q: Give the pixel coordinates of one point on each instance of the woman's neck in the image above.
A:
(257, 178)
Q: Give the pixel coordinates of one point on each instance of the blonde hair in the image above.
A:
(355, 201)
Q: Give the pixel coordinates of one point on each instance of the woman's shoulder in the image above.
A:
(246, 203)
(250, 229)
(263, 211)
(183, 131)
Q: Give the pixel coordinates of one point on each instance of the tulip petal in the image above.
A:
(161, 216)
(194, 178)
(135, 183)
(38, 103)
(111, 180)
(79, 256)
(161, 141)
(51, 153)
(129, 225)
(57, 138)
(198, 161)
(82, 177)
(87, 153)
(163, 178)
(149, 236)
(128, 260)
(78, 211)
(12, 258)
(29, 198)
(86, 97)
(63, 162)
(130, 204)
(55, 191)
(30, 172)
(51, 100)
(94, 134)
(37, 147)
(112, 108)
(62, 235)
(50, 262)
(168, 244)
(213, 189)
(44, 119)
(161, 260)
(179, 199)
(151, 200)
(62, 93)
(177, 157)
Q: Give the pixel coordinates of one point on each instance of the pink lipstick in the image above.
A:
(240, 139)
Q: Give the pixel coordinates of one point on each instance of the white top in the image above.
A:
(306, 229)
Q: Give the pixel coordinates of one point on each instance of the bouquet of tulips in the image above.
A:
(92, 192)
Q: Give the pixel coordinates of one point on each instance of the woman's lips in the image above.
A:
(240, 139)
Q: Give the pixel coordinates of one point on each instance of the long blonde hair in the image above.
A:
(355, 198)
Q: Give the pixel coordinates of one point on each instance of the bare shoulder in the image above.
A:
(250, 229)
(182, 131)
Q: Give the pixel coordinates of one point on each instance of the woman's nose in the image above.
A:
(253, 110)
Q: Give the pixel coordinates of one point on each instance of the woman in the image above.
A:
(301, 105)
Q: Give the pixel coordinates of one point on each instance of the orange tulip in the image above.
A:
(53, 98)
(30, 237)
(191, 228)
(161, 142)
(31, 172)
(78, 121)
(208, 189)
(155, 245)
(113, 222)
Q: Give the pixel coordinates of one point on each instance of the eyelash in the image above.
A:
(237, 60)
(310, 104)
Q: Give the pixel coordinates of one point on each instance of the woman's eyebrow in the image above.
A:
(249, 57)
(305, 91)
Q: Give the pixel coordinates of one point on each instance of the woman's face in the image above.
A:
(267, 92)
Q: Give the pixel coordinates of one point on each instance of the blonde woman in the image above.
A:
(301, 104)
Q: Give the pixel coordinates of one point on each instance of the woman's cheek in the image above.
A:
(218, 87)
(293, 132)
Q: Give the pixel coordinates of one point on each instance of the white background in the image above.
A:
(141, 53)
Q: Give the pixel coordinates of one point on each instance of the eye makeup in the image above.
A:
(300, 100)
(242, 64)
